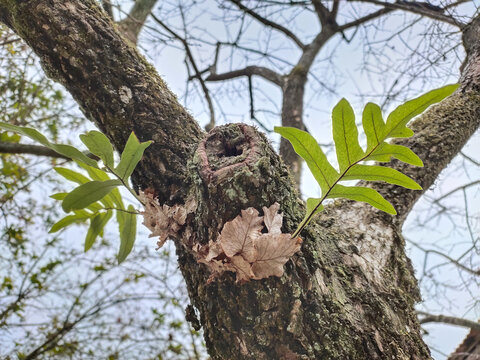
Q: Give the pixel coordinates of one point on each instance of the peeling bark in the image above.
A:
(348, 294)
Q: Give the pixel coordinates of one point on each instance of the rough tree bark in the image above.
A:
(350, 292)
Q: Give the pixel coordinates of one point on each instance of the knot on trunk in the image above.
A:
(226, 149)
(235, 168)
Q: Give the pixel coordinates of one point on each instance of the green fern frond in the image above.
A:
(350, 154)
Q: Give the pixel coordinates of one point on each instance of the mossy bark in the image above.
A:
(348, 294)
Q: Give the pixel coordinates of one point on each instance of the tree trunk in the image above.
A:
(292, 115)
(293, 93)
(349, 293)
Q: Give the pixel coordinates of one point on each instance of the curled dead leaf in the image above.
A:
(273, 220)
(163, 220)
(242, 268)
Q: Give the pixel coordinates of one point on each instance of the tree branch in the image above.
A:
(364, 19)
(334, 11)
(428, 318)
(133, 23)
(261, 71)
(423, 9)
(463, 187)
(469, 348)
(269, 23)
(323, 13)
(195, 69)
(15, 148)
(472, 160)
(113, 84)
(252, 107)
(440, 132)
(445, 256)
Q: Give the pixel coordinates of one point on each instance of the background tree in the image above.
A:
(169, 178)
(55, 300)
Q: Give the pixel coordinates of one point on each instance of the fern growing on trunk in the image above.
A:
(352, 157)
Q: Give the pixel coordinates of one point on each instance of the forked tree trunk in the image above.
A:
(349, 293)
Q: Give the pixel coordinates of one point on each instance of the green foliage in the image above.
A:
(88, 193)
(97, 195)
(65, 150)
(97, 223)
(99, 145)
(350, 155)
(130, 157)
(127, 221)
(79, 217)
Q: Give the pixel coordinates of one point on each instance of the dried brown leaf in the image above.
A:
(242, 248)
(241, 267)
(179, 214)
(238, 235)
(162, 220)
(214, 250)
(273, 251)
(215, 266)
(273, 220)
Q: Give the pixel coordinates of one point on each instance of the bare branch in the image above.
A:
(250, 91)
(269, 23)
(448, 320)
(334, 10)
(323, 13)
(472, 160)
(198, 76)
(463, 187)
(252, 107)
(438, 120)
(6, 42)
(15, 148)
(311, 51)
(456, 3)
(364, 19)
(261, 71)
(423, 9)
(445, 256)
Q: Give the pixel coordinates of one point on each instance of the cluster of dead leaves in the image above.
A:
(242, 247)
(163, 220)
